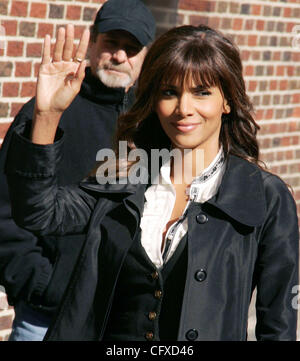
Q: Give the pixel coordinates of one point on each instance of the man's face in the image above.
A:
(116, 58)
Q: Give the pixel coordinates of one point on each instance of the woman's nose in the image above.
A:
(185, 105)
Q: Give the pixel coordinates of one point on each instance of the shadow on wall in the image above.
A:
(165, 13)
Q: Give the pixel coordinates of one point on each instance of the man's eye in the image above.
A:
(132, 51)
(110, 42)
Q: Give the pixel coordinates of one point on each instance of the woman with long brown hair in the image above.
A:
(166, 259)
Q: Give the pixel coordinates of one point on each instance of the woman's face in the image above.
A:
(191, 116)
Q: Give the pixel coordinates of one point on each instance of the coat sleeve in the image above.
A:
(24, 271)
(38, 204)
(276, 273)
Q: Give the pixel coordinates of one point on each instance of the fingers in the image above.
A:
(64, 44)
(68, 47)
(59, 45)
(63, 48)
(80, 74)
(83, 45)
(46, 56)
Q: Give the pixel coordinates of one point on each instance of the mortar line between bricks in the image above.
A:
(282, 161)
(260, 33)
(287, 177)
(278, 121)
(278, 149)
(62, 2)
(255, 32)
(234, 15)
(255, 2)
(9, 7)
(269, 62)
(270, 77)
(280, 106)
(53, 21)
(274, 92)
(280, 135)
(268, 47)
(17, 99)
(274, 163)
(258, 2)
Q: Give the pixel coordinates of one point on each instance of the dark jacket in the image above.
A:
(244, 237)
(37, 270)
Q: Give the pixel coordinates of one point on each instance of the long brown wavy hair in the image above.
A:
(181, 55)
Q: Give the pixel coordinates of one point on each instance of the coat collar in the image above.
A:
(92, 88)
(241, 194)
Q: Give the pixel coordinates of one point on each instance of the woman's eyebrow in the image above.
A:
(199, 87)
(192, 88)
(169, 86)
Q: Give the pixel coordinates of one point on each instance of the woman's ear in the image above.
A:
(226, 107)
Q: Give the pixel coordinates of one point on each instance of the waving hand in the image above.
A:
(59, 81)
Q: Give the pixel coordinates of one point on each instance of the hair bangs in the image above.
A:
(191, 67)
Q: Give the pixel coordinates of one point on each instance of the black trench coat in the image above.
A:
(244, 237)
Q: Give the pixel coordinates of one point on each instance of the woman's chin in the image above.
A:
(185, 144)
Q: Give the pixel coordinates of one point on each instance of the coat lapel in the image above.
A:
(241, 193)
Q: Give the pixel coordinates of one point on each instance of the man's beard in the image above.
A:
(113, 80)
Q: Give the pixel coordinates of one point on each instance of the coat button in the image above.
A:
(200, 275)
(152, 315)
(154, 275)
(158, 294)
(201, 218)
(149, 335)
(192, 335)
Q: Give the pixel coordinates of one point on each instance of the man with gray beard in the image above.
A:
(35, 271)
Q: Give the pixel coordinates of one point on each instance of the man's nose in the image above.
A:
(185, 105)
(120, 55)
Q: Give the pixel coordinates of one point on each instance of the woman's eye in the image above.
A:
(202, 93)
(168, 92)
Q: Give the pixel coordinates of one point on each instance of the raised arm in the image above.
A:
(38, 204)
(59, 81)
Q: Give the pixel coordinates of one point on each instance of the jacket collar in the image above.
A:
(93, 89)
(241, 194)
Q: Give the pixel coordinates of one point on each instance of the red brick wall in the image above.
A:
(264, 30)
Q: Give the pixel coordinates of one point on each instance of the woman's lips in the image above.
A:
(185, 128)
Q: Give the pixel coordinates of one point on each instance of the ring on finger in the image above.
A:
(78, 60)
